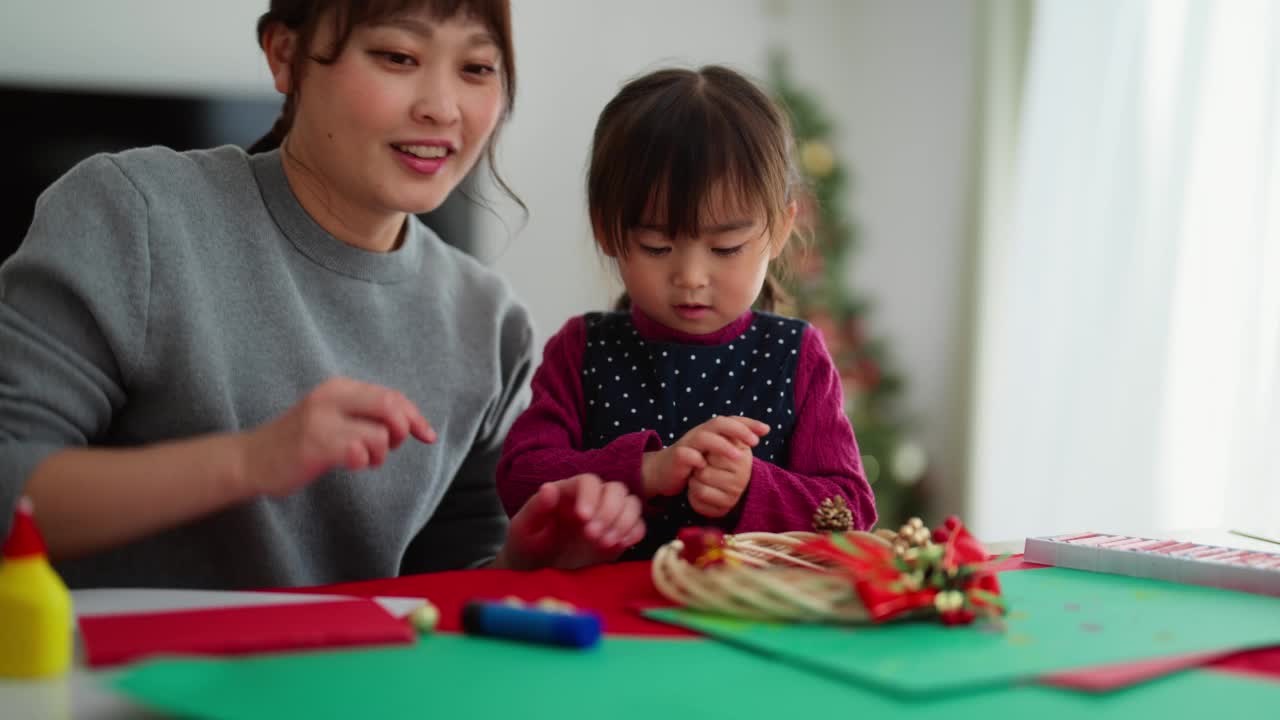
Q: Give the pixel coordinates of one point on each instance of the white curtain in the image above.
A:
(1127, 374)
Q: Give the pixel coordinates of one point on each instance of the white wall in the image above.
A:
(899, 77)
(896, 74)
(162, 45)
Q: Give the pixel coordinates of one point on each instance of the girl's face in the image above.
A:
(394, 124)
(700, 284)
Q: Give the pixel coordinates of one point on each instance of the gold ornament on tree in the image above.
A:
(817, 158)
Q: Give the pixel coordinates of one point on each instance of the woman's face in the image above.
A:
(396, 122)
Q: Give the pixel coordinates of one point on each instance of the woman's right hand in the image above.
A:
(341, 423)
(667, 471)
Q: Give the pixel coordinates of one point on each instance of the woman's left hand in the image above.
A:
(573, 523)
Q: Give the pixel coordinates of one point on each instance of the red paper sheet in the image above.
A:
(113, 639)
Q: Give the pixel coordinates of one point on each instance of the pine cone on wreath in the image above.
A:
(833, 515)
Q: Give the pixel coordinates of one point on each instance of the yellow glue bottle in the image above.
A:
(35, 607)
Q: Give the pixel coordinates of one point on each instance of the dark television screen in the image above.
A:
(55, 129)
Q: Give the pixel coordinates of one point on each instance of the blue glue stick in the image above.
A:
(570, 629)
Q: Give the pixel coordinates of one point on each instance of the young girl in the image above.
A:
(216, 364)
(712, 413)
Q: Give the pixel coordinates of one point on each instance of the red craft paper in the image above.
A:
(124, 637)
(1106, 678)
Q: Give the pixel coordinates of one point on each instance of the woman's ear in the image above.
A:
(279, 43)
(783, 232)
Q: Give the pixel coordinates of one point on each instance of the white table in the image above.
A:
(81, 693)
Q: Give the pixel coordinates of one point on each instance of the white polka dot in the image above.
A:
(766, 354)
(663, 384)
(788, 411)
(730, 372)
(633, 368)
(744, 362)
(768, 410)
(606, 404)
(684, 419)
(643, 384)
(793, 352)
(610, 359)
(754, 369)
(659, 417)
(704, 374)
(624, 395)
(591, 402)
(755, 398)
(688, 389)
(726, 402)
(617, 377)
(717, 387)
(717, 361)
(779, 341)
(677, 372)
(788, 380)
(650, 401)
(714, 415)
(755, 352)
(615, 423)
(633, 411)
(693, 357)
(664, 353)
(730, 346)
(780, 323)
(793, 332)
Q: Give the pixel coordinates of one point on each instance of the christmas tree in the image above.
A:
(820, 293)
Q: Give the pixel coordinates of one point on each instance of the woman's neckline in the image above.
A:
(318, 244)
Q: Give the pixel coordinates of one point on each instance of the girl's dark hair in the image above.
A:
(669, 139)
(304, 17)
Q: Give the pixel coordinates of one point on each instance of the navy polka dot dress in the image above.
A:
(631, 385)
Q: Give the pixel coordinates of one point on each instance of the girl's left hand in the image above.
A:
(715, 489)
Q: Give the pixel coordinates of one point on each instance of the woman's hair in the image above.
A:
(304, 17)
(671, 139)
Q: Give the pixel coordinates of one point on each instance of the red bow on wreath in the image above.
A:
(947, 577)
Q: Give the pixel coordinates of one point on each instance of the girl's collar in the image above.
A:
(654, 331)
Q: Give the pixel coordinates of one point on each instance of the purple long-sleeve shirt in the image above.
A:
(546, 442)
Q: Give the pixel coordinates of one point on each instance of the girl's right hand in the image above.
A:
(667, 471)
(341, 423)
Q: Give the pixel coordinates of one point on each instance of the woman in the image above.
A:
(217, 364)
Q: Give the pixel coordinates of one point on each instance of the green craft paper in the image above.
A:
(451, 676)
(1059, 620)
